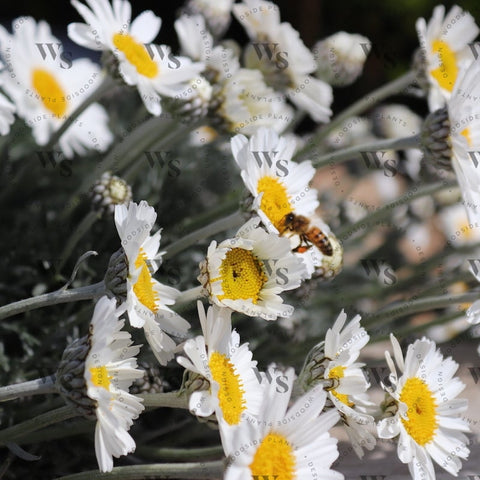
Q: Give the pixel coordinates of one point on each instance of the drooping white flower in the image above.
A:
(445, 50)
(427, 416)
(110, 369)
(247, 103)
(248, 273)
(46, 86)
(147, 299)
(349, 385)
(281, 55)
(153, 69)
(197, 43)
(235, 392)
(281, 443)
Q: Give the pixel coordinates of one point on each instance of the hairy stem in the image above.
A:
(353, 152)
(207, 470)
(414, 305)
(20, 430)
(391, 88)
(34, 387)
(231, 221)
(88, 292)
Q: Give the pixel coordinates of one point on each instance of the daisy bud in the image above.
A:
(71, 383)
(116, 276)
(151, 382)
(193, 102)
(340, 58)
(435, 139)
(109, 191)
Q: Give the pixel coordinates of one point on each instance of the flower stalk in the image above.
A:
(88, 292)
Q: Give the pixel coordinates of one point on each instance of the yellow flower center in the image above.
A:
(231, 395)
(337, 373)
(50, 91)
(274, 458)
(100, 377)
(446, 73)
(466, 133)
(275, 201)
(143, 287)
(136, 54)
(421, 424)
(242, 276)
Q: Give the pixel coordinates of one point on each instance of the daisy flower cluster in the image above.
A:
(296, 242)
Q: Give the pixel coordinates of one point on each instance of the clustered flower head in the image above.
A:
(272, 423)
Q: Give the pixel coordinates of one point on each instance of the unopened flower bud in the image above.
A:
(109, 191)
(340, 58)
(116, 276)
(435, 139)
(71, 383)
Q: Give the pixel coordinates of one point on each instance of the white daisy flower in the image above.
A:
(154, 70)
(147, 299)
(444, 49)
(348, 383)
(247, 103)
(247, 273)
(286, 62)
(235, 393)
(293, 443)
(110, 369)
(340, 58)
(279, 186)
(7, 111)
(464, 117)
(427, 418)
(197, 43)
(47, 86)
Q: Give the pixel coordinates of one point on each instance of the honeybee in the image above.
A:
(308, 235)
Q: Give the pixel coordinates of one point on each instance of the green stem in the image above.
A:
(226, 205)
(403, 332)
(417, 305)
(179, 454)
(380, 145)
(168, 400)
(76, 236)
(40, 386)
(232, 221)
(347, 231)
(206, 470)
(187, 297)
(391, 88)
(54, 416)
(88, 292)
(126, 152)
(105, 87)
